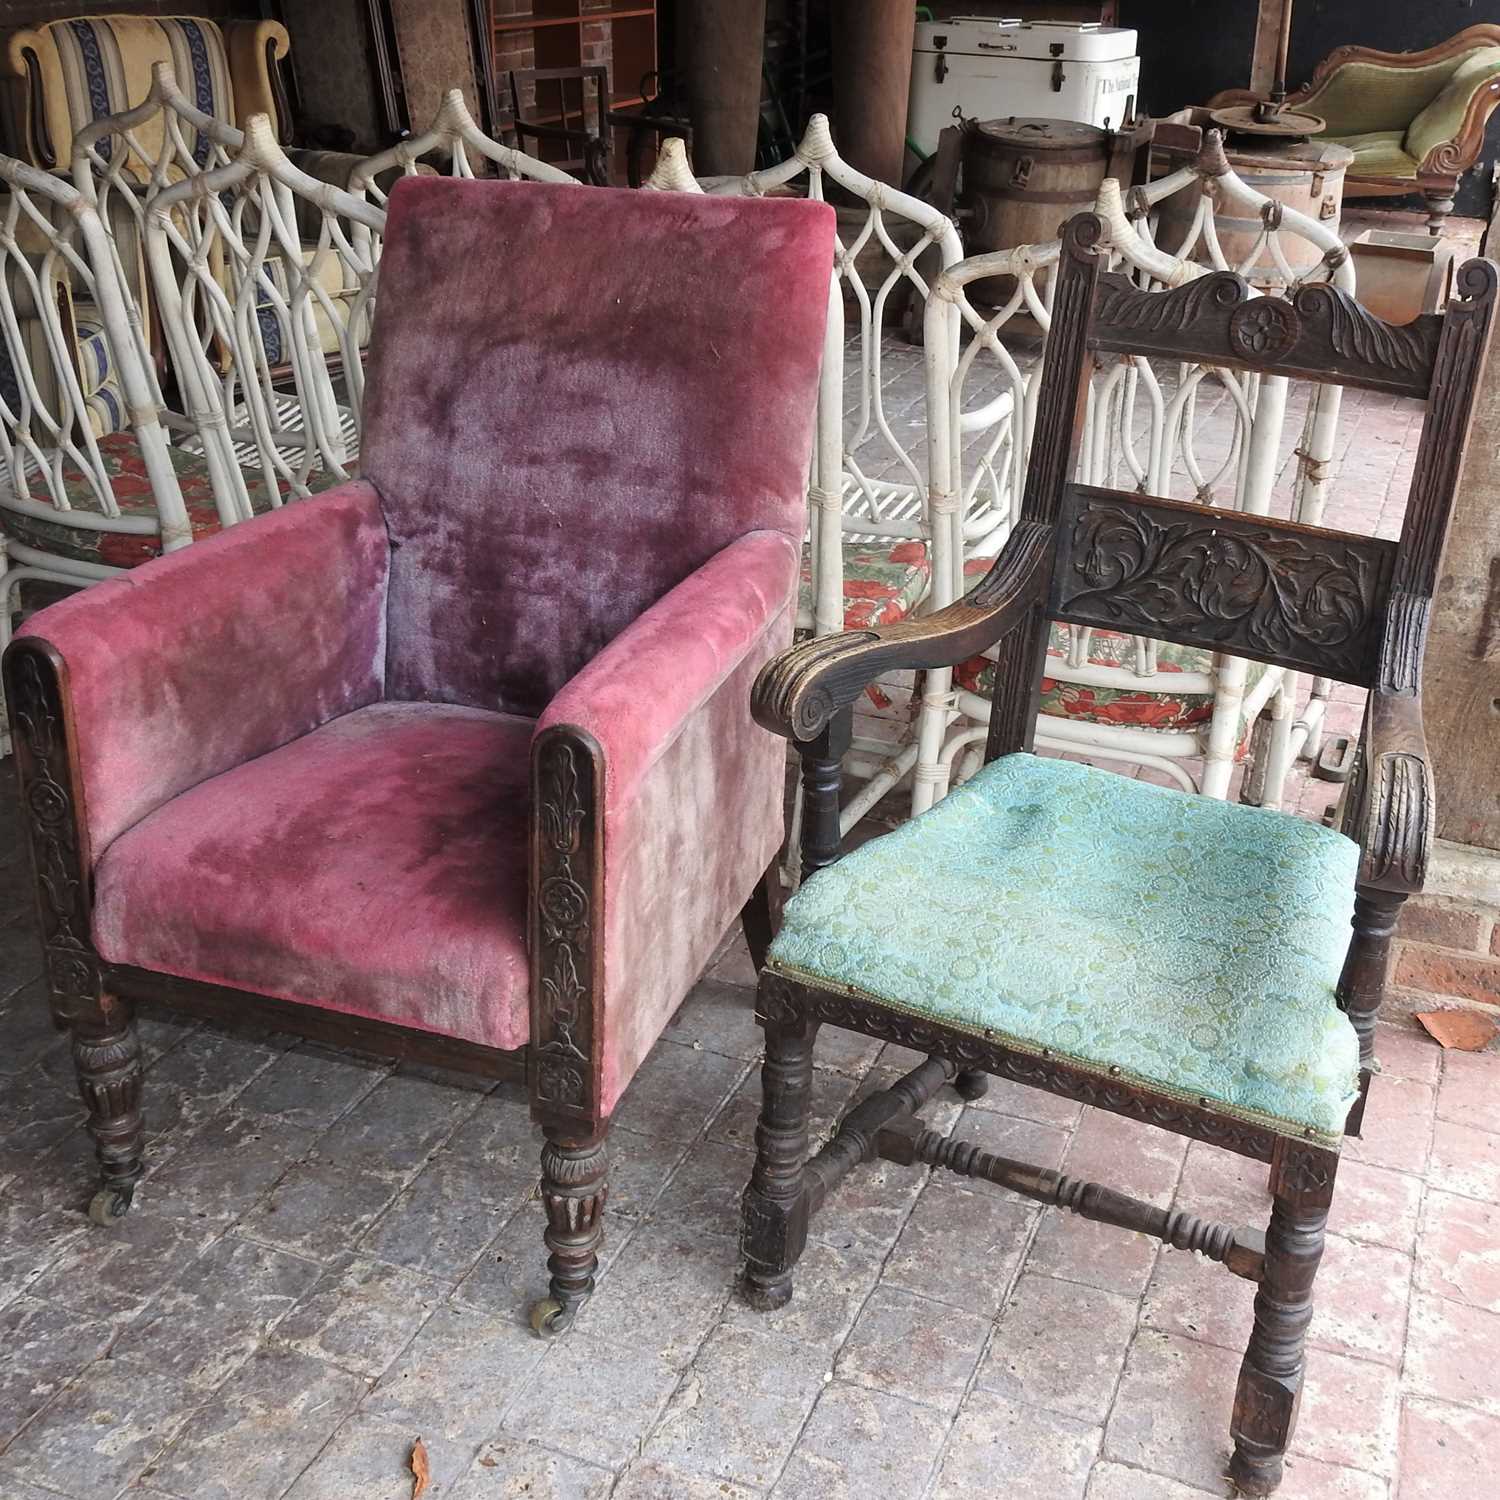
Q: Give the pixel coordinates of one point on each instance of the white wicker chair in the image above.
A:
(80, 496)
(877, 547)
(1145, 432)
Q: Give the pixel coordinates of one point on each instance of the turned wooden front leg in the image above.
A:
(1361, 987)
(774, 1217)
(573, 1193)
(1270, 1382)
(822, 781)
(107, 1056)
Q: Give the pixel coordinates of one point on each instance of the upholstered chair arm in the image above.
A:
(657, 804)
(39, 106)
(216, 653)
(1445, 139)
(254, 48)
(799, 693)
(1391, 803)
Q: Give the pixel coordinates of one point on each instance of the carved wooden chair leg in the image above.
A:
(775, 1212)
(1361, 985)
(107, 1054)
(1439, 206)
(761, 917)
(573, 1193)
(1270, 1384)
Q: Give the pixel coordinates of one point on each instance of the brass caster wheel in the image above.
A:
(109, 1205)
(549, 1318)
(972, 1084)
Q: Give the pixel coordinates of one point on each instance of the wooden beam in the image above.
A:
(872, 42)
(1271, 16)
(719, 46)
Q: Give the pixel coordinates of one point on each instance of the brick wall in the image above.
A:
(1447, 949)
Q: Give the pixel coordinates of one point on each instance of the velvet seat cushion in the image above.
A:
(375, 866)
(1191, 943)
(1377, 153)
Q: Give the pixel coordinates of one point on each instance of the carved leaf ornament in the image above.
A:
(1281, 594)
(564, 908)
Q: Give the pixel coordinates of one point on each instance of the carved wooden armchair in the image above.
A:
(1181, 961)
(453, 761)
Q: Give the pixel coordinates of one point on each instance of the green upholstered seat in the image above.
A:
(1377, 153)
(1191, 943)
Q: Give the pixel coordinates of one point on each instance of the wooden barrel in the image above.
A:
(1024, 178)
(1303, 175)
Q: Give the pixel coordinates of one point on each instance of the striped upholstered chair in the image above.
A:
(62, 75)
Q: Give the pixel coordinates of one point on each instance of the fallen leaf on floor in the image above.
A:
(421, 1475)
(1458, 1030)
(487, 1462)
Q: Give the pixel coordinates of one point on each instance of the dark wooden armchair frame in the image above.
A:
(591, 145)
(95, 1001)
(1385, 589)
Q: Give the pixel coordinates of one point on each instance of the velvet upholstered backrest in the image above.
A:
(574, 400)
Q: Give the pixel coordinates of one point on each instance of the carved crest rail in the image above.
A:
(1318, 333)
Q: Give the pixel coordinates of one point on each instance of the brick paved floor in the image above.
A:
(331, 1257)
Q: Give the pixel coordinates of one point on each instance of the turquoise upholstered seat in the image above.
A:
(1193, 944)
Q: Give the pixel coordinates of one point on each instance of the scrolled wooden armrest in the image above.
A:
(800, 691)
(1393, 802)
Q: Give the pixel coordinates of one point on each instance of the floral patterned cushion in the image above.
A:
(1140, 708)
(1137, 707)
(883, 582)
(1192, 944)
(132, 489)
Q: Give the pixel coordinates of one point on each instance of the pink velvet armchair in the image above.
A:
(455, 761)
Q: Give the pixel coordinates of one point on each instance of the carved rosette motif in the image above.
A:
(72, 965)
(1056, 1077)
(562, 1047)
(776, 1001)
(1214, 319)
(1258, 589)
(1264, 329)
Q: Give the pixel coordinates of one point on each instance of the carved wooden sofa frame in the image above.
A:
(1439, 171)
(1319, 334)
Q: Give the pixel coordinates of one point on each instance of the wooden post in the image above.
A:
(719, 47)
(1271, 20)
(1461, 680)
(872, 42)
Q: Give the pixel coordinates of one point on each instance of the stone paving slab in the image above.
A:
(943, 1335)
